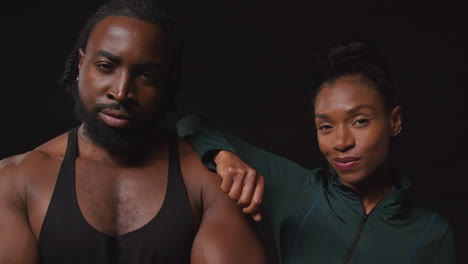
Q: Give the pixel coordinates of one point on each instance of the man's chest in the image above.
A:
(117, 216)
(111, 200)
(117, 201)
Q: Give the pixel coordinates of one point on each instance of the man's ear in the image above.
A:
(81, 55)
(396, 120)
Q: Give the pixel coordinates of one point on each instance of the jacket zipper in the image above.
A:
(350, 252)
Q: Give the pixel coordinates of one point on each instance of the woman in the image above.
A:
(355, 211)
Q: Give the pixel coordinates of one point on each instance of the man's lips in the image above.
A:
(346, 163)
(115, 118)
(116, 113)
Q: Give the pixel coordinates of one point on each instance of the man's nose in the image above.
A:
(122, 88)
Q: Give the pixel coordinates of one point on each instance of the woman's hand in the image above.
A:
(244, 184)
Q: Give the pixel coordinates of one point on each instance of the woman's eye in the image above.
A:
(361, 122)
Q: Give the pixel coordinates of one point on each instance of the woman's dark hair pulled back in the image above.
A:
(350, 58)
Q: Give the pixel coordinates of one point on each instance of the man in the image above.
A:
(120, 188)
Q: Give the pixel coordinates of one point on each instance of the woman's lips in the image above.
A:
(115, 118)
(346, 163)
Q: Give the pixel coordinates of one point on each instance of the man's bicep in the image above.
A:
(224, 235)
(17, 242)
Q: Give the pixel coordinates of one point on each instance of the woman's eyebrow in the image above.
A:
(351, 111)
(360, 107)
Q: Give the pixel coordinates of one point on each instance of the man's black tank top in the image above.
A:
(67, 238)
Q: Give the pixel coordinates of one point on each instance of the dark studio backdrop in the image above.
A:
(247, 66)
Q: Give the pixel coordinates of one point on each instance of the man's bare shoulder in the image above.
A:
(32, 162)
(26, 185)
(199, 180)
(185, 149)
(54, 147)
(190, 158)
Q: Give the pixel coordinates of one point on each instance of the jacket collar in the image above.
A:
(393, 204)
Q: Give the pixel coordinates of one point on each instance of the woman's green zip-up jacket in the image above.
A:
(316, 219)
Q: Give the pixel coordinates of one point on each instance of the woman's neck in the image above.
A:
(373, 189)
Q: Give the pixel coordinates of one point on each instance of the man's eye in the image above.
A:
(324, 127)
(104, 67)
(148, 76)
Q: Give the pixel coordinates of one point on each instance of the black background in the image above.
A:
(247, 66)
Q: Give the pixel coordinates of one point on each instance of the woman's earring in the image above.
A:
(398, 131)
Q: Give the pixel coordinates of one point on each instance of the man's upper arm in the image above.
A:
(224, 235)
(17, 242)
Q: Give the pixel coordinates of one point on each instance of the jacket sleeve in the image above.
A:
(205, 137)
(446, 251)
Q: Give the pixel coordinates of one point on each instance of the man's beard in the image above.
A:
(120, 141)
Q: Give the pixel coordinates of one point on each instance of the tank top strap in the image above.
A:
(174, 159)
(176, 193)
(66, 177)
(72, 149)
(63, 195)
(176, 190)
